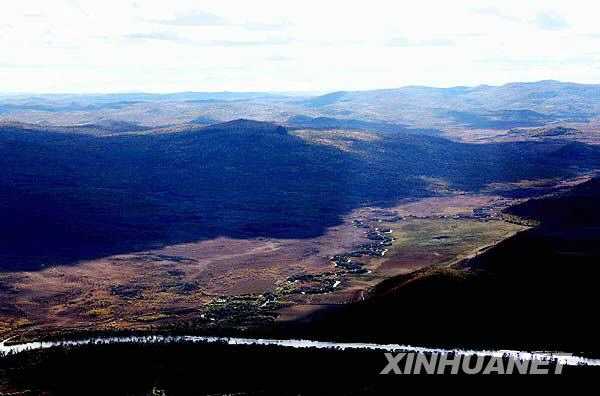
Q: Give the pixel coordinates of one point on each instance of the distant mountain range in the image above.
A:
(542, 96)
(488, 107)
(510, 105)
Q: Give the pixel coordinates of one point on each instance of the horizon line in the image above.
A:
(286, 92)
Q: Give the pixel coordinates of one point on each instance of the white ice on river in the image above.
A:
(570, 360)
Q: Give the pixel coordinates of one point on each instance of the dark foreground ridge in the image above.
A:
(209, 369)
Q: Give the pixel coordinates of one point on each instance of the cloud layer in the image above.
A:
(269, 45)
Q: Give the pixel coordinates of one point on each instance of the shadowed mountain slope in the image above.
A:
(66, 197)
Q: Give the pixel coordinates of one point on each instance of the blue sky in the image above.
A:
(179, 45)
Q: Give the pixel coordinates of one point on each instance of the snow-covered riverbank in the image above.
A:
(162, 339)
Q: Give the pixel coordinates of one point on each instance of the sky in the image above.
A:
(81, 46)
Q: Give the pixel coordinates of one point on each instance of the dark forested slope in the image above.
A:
(65, 197)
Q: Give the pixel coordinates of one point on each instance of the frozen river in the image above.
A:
(564, 359)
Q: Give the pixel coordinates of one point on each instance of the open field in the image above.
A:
(270, 278)
(235, 283)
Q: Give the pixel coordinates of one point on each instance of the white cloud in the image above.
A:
(152, 45)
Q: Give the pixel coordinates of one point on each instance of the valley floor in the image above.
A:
(229, 283)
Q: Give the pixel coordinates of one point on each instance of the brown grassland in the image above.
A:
(187, 282)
